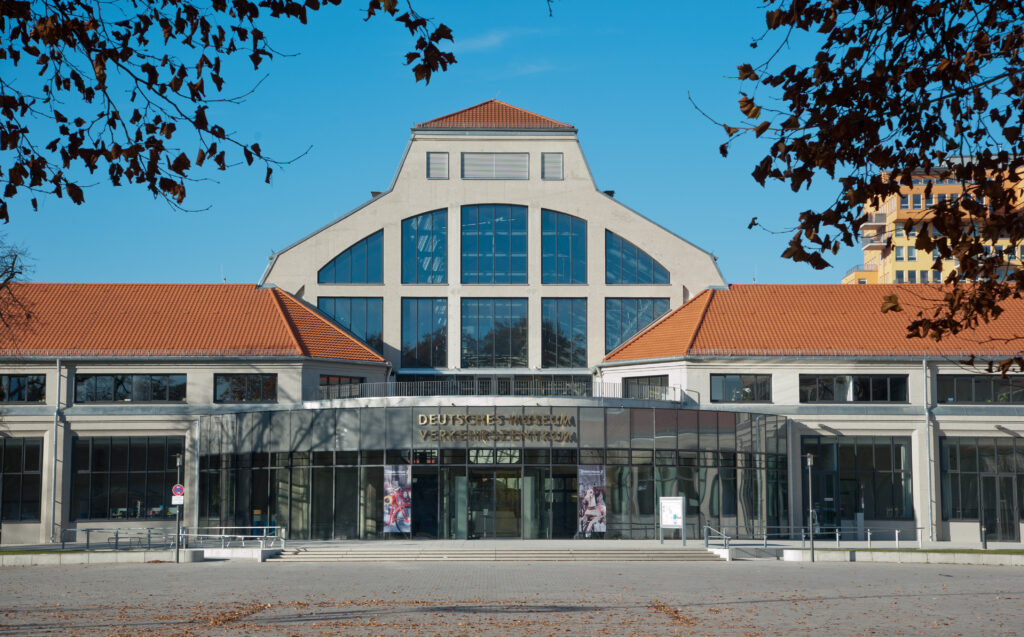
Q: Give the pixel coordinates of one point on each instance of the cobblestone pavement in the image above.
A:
(487, 598)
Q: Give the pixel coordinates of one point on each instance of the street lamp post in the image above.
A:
(810, 504)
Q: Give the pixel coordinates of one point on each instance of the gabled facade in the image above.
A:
(493, 256)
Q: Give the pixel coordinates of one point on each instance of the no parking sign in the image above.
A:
(178, 494)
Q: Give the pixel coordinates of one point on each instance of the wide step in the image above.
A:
(407, 554)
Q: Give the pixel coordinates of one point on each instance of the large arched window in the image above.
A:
(425, 248)
(361, 263)
(563, 248)
(629, 265)
(494, 244)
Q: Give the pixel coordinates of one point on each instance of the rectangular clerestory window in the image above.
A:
(741, 388)
(138, 388)
(875, 388)
(245, 388)
(23, 388)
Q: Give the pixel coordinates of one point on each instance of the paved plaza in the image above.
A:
(539, 599)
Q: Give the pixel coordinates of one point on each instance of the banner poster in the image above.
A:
(397, 498)
(593, 515)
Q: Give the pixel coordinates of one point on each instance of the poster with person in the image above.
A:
(397, 498)
(593, 515)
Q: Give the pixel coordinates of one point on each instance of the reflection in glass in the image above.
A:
(563, 248)
(563, 333)
(363, 317)
(624, 317)
(627, 264)
(425, 248)
(494, 333)
(424, 332)
(494, 244)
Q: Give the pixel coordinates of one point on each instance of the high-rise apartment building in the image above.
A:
(890, 255)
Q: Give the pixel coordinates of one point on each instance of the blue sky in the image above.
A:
(620, 72)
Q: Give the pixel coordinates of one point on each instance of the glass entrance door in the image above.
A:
(495, 503)
(999, 508)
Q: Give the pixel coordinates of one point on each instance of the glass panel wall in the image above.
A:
(124, 477)
(363, 317)
(424, 332)
(563, 333)
(563, 248)
(860, 474)
(626, 264)
(506, 471)
(494, 244)
(361, 263)
(20, 479)
(494, 333)
(425, 248)
(625, 317)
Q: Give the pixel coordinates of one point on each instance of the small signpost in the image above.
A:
(178, 500)
(672, 515)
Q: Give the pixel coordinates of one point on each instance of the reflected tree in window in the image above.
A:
(425, 248)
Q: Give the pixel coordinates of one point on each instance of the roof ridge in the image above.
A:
(292, 331)
(700, 321)
(546, 122)
(331, 324)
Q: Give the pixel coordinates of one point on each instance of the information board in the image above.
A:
(671, 513)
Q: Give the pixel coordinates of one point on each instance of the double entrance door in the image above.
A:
(999, 513)
(495, 503)
(520, 502)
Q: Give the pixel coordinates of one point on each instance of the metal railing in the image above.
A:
(837, 532)
(877, 218)
(234, 536)
(116, 538)
(530, 387)
(711, 532)
(862, 267)
(877, 240)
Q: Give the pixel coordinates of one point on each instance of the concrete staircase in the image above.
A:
(377, 552)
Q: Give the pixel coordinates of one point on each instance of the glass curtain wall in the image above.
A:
(507, 471)
(494, 244)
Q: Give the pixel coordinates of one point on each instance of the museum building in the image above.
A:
(494, 347)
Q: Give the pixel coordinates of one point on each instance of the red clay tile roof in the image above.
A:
(154, 320)
(814, 320)
(495, 115)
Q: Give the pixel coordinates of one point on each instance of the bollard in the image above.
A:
(869, 538)
(149, 537)
(984, 538)
(920, 538)
(765, 538)
(803, 538)
(115, 539)
(87, 539)
(705, 537)
(897, 539)
(837, 537)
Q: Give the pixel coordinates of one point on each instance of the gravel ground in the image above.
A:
(487, 598)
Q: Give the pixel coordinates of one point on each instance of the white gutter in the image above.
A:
(53, 476)
(928, 446)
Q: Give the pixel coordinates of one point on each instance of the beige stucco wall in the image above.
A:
(690, 268)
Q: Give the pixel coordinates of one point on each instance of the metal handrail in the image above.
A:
(258, 531)
(123, 538)
(710, 531)
(225, 539)
(531, 387)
